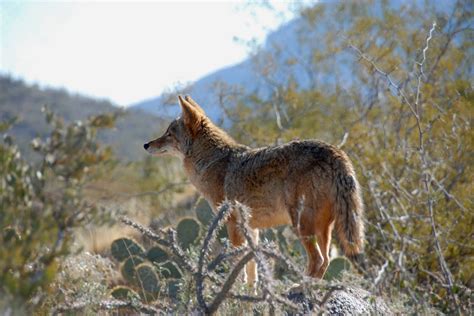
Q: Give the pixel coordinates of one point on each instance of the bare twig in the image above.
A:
(422, 62)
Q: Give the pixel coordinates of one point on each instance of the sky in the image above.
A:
(127, 51)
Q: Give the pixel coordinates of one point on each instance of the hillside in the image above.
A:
(23, 101)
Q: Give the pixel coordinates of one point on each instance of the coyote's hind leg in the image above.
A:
(303, 221)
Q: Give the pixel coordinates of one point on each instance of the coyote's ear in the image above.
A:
(192, 117)
(194, 103)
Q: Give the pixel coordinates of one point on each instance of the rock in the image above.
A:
(342, 300)
(354, 301)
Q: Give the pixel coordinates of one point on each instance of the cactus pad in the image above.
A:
(204, 212)
(188, 232)
(169, 270)
(124, 248)
(173, 288)
(336, 267)
(123, 293)
(147, 279)
(129, 268)
(157, 255)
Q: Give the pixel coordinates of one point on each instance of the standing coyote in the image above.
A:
(308, 184)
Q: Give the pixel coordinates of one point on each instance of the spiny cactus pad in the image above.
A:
(188, 232)
(336, 268)
(157, 255)
(173, 288)
(147, 279)
(268, 234)
(124, 248)
(204, 212)
(222, 234)
(169, 270)
(123, 293)
(128, 268)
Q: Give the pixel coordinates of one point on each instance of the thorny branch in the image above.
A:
(106, 305)
(167, 239)
(261, 261)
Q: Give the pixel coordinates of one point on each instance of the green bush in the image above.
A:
(42, 202)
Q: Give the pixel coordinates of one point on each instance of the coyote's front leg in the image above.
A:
(237, 239)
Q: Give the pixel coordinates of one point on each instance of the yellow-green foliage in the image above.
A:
(408, 134)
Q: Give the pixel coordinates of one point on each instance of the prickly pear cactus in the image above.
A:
(147, 281)
(150, 274)
(157, 255)
(222, 234)
(169, 270)
(124, 248)
(268, 235)
(188, 230)
(336, 267)
(204, 212)
(128, 268)
(123, 293)
(174, 287)
(205, 215)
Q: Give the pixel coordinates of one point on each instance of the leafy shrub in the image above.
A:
(43, 202)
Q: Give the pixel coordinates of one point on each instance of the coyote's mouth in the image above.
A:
(157, 152)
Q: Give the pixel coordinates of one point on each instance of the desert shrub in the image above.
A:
(43, 202)
(82, 278)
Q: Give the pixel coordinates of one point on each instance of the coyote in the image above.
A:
(308, 184)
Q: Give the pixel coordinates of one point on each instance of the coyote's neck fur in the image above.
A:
(208, 156)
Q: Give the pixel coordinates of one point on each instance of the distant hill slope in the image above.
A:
(23, 101)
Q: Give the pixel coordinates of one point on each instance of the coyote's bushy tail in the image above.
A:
(349, 211)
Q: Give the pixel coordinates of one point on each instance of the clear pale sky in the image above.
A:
(125, 51)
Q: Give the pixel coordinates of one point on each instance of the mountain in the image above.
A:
(166, 105)
(296, 52)
(24, 102)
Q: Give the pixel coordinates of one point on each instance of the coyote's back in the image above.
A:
(308, 184)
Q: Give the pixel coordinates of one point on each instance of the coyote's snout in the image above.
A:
(308, 184)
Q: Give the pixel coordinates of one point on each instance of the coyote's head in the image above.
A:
(179, 136)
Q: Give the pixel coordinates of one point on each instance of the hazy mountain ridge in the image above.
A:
(23, 101)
